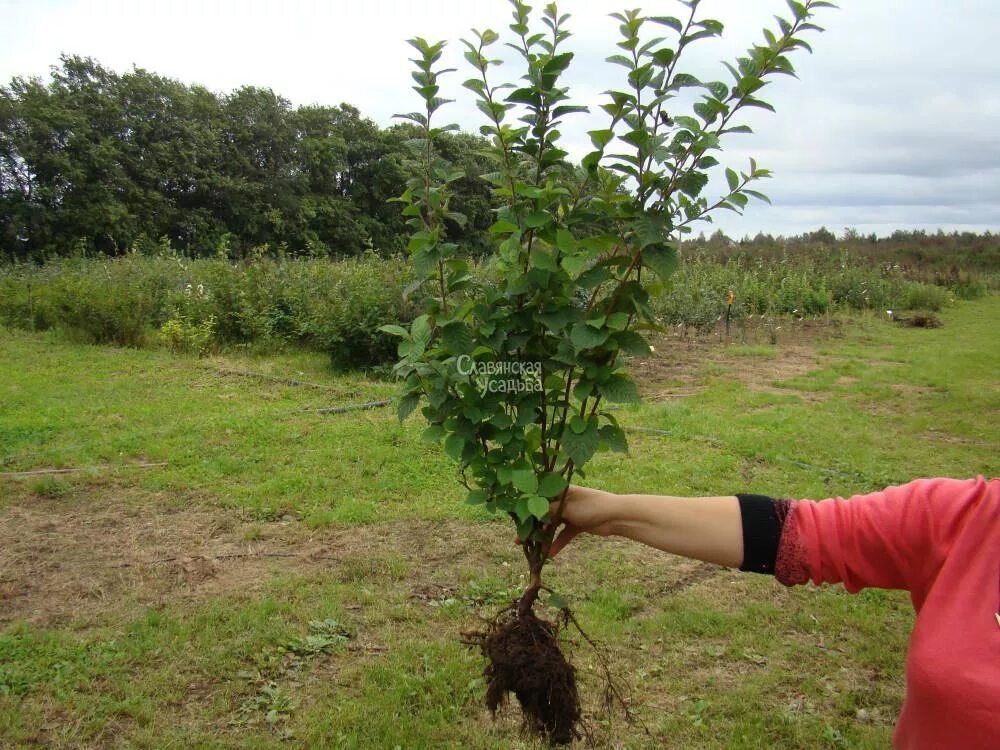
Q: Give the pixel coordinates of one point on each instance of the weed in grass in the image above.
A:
(253, 533)
(372, 567)
(273, 703)
(51, 487)
(489, 592)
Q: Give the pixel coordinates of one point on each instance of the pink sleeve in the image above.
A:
(895, 539)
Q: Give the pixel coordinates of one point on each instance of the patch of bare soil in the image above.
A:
(908, 389)
(938, 436)
(766, 375)
(69, 558)
(78, 558)
(675, 369)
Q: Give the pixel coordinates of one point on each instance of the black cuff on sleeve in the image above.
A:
(761, 532)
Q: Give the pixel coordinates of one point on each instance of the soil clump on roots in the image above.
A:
(524, 658)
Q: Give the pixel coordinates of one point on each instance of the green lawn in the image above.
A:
(292, 578)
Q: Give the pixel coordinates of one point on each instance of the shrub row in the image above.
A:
(197, 305)
(337, 306)
(698, 293)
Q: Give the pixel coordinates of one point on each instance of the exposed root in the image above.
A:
(615, 690)
(524, 658)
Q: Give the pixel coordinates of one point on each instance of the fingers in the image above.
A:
(564, 537)
(556, 502)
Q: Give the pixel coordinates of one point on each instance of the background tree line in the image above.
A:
(97, 161)
(94, 161)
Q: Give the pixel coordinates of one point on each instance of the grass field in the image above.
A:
(293, 578)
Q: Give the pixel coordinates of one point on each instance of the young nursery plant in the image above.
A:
(515, 374)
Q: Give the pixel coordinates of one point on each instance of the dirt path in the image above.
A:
(75, 559)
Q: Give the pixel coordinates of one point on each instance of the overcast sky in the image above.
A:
(893, 122)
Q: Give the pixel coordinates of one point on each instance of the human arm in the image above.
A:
(703, 528)
(895, 538)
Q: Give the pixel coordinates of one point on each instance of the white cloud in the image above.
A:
(891, 125)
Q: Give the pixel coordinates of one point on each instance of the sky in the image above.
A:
(893, 123)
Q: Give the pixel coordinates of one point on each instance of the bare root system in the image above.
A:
(524, 658)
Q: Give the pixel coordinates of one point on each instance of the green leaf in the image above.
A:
(632, 343)
(394, 330)
(456, 337)
(732, 178)
(573, 264)
(537, 219)
(526, 526)
(618, 321)
(663, 56)
(529, 191)
(614, 437)
(543, 259)
(567, 109)
(523, 514)
(684, 80)
(555, 320)
(454, 446)
(719, 89)
(674, 23)
(585, 337)
(758, 195)
(601, 138)
(661, 258)
(565, 241)
(503, 474)
(551, 485)
(581, 447)
(433, 434)
(557, 600)
(625, 62)
(651, 229)
(417, 117)
(420, 332)
(557, 64)
(751, 102)
(620, 389)
(798, 9)
(527, 96)
(503, 227)
(538, 506)
(524, 480)
(406, 405)
(477, 497)
(593, 277)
